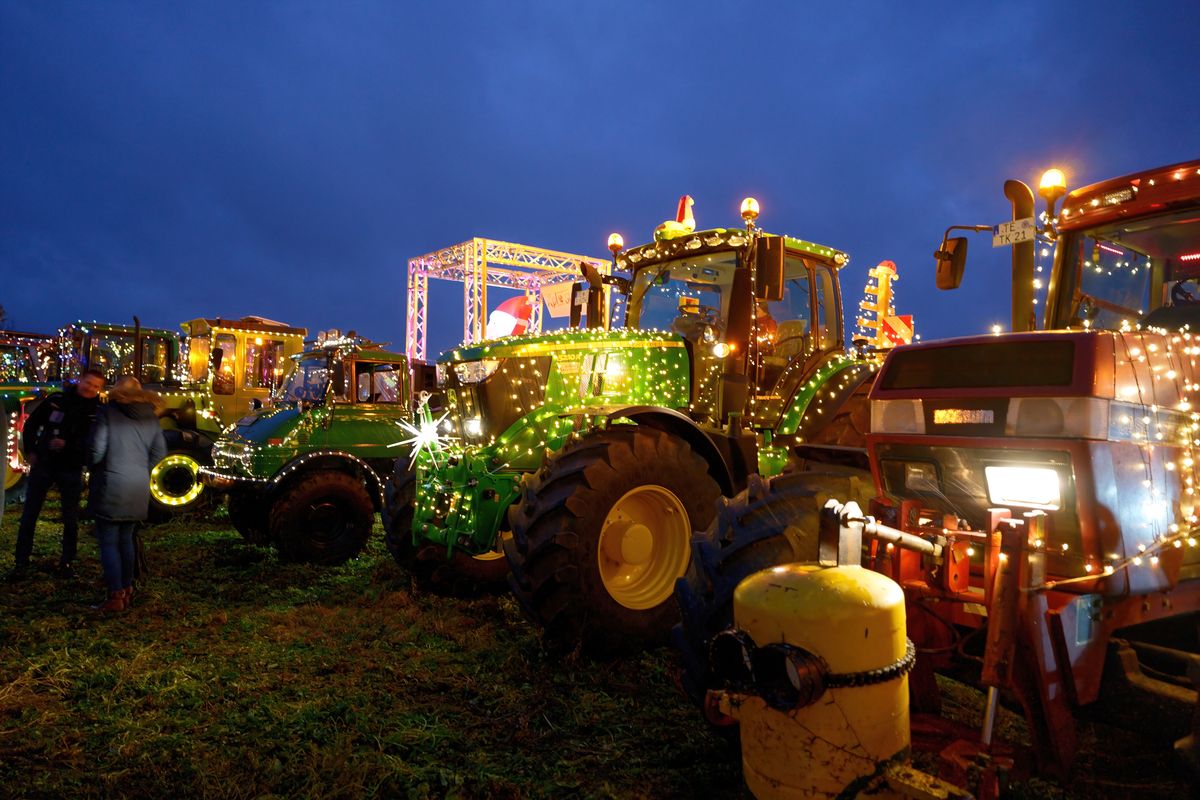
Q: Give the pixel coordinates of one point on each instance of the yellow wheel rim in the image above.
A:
(174, 481)
(645, 544)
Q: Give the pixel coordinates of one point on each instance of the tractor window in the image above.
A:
(826, 334)
(377, 383)
(686, 295)
(225, 379)
(785, 325)
(264, 363)
(199, 352)
(16, 366)
(156, 359)
(112, 354)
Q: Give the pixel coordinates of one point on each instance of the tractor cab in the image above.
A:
(1124, 262)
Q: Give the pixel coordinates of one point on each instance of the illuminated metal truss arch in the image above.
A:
(478, 264)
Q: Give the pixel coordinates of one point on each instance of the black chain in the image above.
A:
(880, 675)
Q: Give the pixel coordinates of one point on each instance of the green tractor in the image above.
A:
(306, 473)
(581, 461)
(28, 371)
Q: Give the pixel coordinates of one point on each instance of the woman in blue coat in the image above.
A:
(125, 443)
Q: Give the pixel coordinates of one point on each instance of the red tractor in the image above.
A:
(1053, 470)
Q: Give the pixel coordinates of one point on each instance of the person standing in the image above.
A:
(54, 439)
(125, 443)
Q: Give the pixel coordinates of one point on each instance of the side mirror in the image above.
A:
(768, 265)
(215, 359)
(951, 259)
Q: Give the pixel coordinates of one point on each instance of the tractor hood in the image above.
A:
(268, 424)
(496, 385)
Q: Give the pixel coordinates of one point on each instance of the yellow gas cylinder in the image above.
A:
(825, 701)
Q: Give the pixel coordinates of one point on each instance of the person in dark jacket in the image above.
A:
(54, 441)
(125, 443)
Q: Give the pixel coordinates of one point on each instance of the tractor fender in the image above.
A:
(194, 442)
(837, 385)
(673, 422)
(333, 460)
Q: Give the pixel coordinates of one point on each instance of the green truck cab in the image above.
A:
(588, 457)
(28, 371)
(306, 474)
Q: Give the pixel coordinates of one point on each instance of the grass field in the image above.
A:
(236, 675)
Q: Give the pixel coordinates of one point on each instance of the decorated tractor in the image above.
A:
(306, 474)
(582, 460)
(28, 371)
(230, 365)
(1045, 480)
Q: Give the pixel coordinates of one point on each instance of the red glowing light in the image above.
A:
(1190, 257)
(1109, 249)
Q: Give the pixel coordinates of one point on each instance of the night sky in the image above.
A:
(179, 160)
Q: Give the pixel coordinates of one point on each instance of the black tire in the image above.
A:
(774, 521)
(248, 515)
(462, 575)
(175, 488)
(399, 497)
(558, 572)
(323, 518)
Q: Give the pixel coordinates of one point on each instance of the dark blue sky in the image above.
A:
(286, 159)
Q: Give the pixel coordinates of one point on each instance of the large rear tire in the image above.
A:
(774, 521)
(324, 518)
(602, 532)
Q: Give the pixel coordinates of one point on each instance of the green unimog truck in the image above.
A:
(583, 460)
(306, 474)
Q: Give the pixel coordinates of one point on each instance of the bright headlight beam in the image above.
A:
(1024, 487)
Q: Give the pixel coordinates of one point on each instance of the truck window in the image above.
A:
(199, 352)
(377, 383)
(224, 380)
(156, 359)
(16, 366)
(264, 364)
(785, 325)
(826, 333)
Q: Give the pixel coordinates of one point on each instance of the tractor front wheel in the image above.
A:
(601, 534)
(462, 574)
(324, 518)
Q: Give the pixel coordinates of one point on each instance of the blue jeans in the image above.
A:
(70, 486)
(116, 553)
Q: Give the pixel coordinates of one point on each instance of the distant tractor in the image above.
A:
(28, 371)
(1049, 474)
(583, 460)
(230, 364)
(306, 474)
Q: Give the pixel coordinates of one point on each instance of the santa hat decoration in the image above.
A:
(511, 318)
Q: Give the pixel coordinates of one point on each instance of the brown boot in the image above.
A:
(115, 602)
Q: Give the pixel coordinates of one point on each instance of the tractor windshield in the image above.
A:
(1142, 271)
(309, 381)
(683, 295)
(16, 365)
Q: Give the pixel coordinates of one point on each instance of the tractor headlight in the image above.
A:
(1024, 487)
(476, 371)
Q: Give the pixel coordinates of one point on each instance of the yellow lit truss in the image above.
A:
(478, 264)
